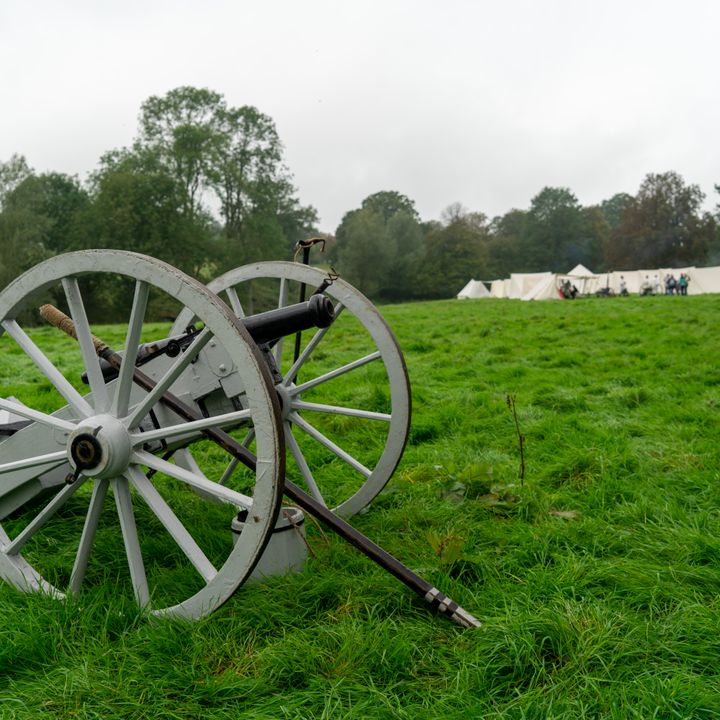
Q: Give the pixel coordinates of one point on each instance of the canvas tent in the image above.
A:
(545, 286)
(475, 289)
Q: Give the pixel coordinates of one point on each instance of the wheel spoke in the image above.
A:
(234, 462)
(87, 538)
(53, 458)
(132, 343)
(170, 521)
(309, 348)
(173, 431)
(335, 373)
(302, 465)
(189, 478)
(123, 502)
(329, 444)
(85, 340)
(337, 410)
(61, 384)
(282, 302)
(39, 417)
(235, 303)
(43, 516)
(170, 376)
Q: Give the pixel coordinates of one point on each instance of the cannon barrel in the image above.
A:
(266, 327)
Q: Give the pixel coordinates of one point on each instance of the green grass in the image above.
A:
(597, 578)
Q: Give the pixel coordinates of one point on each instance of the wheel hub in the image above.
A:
(285, 398)
(100, 447)
(86, 451)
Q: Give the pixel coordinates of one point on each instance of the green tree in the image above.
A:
(42, 215)
(379, 246)
(505, 254)
(455, 251)
(143, 212)
(12, 173)
(614, 208)
(58, 202)
(389, 203)
(555, 236)
(364, 254)
(663, 226)
(181, 128)
(231, 158)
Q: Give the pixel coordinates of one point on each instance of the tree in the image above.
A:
(555, 235)
(12, 173)
(455, 250)
(379, 246)
(254, 187)
(663, 226)
(390, 202)
(234, 154)
(57, 201)
(41, 216)
(614, 208)
(143, 212)
(181, 129)
(505, 254)
(364, 255)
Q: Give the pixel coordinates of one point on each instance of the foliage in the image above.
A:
(204, 186)
(193, 155)
(12, 173)
(663, 226)
(379, 245)
(453, 252)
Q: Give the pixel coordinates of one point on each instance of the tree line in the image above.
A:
(204, 187)
(385, 248)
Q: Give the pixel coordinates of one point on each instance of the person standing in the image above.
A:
(683, 284)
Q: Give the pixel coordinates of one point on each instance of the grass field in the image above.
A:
(597, 576)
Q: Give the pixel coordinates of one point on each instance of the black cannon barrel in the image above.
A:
(266, 327)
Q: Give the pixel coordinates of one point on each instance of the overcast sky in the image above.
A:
(482, 103)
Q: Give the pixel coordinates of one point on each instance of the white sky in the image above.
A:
(482, 103)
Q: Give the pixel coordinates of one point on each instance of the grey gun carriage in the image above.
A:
(190, 438)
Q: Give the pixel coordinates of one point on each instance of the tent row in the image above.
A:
(548, 286)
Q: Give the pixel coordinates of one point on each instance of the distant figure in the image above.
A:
(623, 287)
(670, 284)
(657, 287)
(682, 285)
(568, 290)
(646, 287)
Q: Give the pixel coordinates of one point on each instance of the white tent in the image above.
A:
(545, 285)
(586, 281)
(704, 280)
(475, 289)
(581, 271)
(522, 284)
(545, 289)
(499, 288)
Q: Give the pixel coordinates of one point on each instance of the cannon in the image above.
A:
(187, 430)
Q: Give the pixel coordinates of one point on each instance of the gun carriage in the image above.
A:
(190, 438)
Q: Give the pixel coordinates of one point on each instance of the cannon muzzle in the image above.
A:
(269, 326)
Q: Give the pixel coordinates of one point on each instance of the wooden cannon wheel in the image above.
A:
(345, 400)
(162, 540)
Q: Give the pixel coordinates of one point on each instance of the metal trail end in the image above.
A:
(442, 603)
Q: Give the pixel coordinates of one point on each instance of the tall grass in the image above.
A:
(597, 576)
